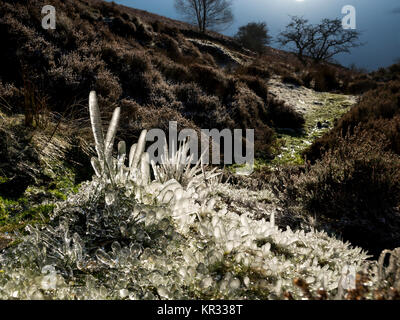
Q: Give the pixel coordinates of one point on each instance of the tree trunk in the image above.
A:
(301, 57)
(203, 29)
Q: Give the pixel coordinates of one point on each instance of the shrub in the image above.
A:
(248, 111)
(122, 27)
(91, 15)
(170, 46)
(204, 109)
(280, 68)
(325, 78)
(137, 61)
(108, 9)
(107, 85)
(208, 59)
(291, 79)
(148, 117)
(386, 74)
(264, 141)
(254, 36)
(190, 50)
(144, 86)
(66, 34)
(158, 26)
(306, 79)
(161, 94)
(121, 60)
(282, 115)
(257, 85)
(138, 77)
(34, 51)
(395, 69)
(212, 80)
(361, 86)
(171, 70)
(75, 73)
(377, 112)
(10, 98)
(257, 71)
(353, 192)
(247, 107)
(171, 31)
(143, 31)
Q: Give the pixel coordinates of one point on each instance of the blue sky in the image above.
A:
(379, 20)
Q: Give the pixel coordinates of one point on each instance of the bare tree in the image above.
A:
(298, 32)
(254, 36)
(215, 14)
(330, 39)
(320, 42)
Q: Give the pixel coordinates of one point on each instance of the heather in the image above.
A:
(98, 46)
(85, 214)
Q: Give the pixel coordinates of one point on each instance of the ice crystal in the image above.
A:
(125, 235)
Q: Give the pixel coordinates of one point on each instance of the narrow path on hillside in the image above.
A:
(320, 110)
(316, 107)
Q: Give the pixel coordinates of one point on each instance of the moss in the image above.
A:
(63, 185)
(16, 214)
(3, 179)
(60, 183)
(35, 205)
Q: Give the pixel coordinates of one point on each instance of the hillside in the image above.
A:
(87, 222)
(136, 59)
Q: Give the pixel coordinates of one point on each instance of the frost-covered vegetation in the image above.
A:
(134, 232)
(118, 227)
